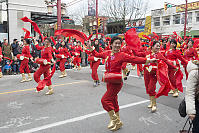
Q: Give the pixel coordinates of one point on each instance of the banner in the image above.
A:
(190, 6)
(91, 7)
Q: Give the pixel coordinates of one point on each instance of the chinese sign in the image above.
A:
(191, 6)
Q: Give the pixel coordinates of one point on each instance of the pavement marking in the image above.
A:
(80, 118)
(9, 92)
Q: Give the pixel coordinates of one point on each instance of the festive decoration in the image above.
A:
(36, 28)
(132, 38)
(27, 35)
(72, 33)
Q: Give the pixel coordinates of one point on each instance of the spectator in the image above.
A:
(15, 65)
(20, 45)
(192, 94)
(15, 47)
(7, 49)
(33, 50)
(101, 41)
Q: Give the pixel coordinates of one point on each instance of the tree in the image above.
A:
(124, 10)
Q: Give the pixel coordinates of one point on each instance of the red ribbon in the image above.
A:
(36, 28)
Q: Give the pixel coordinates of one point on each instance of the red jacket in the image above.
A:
(26, 51)
(46, 53)
(63, 51)
(114, 62)
(190, 54)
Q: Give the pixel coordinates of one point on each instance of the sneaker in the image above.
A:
(95, 84)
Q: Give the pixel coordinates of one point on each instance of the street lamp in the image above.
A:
(61, 10)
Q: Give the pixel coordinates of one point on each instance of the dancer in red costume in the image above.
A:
(1, 56)
(94, 62)
(115, 58)
(24, 63)
(175, 76)
(46, 53)
(151, 75)
(62, 56)
(77, 55)
(190, 54)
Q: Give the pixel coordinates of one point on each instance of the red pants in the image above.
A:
(140, 67)
(77, 61)
(150, 81)
(62, 64)
(94, 66)
(43, 69)
(24, 65)
(172, 77)
(124, 65)
(109, 100)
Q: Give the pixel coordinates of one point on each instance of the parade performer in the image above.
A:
(154, 72)
(1, 56)
(175, 76)
(114, 61)
(94, 62)
(24, 63)
(62, 56)
(77, 55)
(190, 54)
(45, 68)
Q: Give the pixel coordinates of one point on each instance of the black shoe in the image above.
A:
(98, 82)
(127, 74)
(125, 78)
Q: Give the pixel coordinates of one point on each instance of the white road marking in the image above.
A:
(15, 105)
(78, 118)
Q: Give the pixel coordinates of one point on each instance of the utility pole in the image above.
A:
(59, 14)
(185, 23)
(97, 19)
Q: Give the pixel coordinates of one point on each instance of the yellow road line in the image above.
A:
(34, 88)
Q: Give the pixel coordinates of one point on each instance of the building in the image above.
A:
(164, 22)
(13, 10)
(89, 24)
(11, 24)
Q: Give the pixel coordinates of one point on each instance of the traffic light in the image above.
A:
(99, 22)
(165, 6)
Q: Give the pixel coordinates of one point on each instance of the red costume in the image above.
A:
(76, 54)
(114, 65)
(94, 64)
(175, 76)
(151, 75)
(190, 54)
(66, 54)
(46, 53)
(24, 62)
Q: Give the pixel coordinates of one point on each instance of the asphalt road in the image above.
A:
(75, 107)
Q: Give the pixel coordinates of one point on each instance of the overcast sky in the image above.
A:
(153, 4)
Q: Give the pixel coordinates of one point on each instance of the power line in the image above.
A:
(73, 2)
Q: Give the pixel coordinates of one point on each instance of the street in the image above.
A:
(75, 107)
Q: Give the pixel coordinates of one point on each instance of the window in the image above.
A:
(157, 21)
(189, 18)
(176, 19)
(166, 20)
(197, 16)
